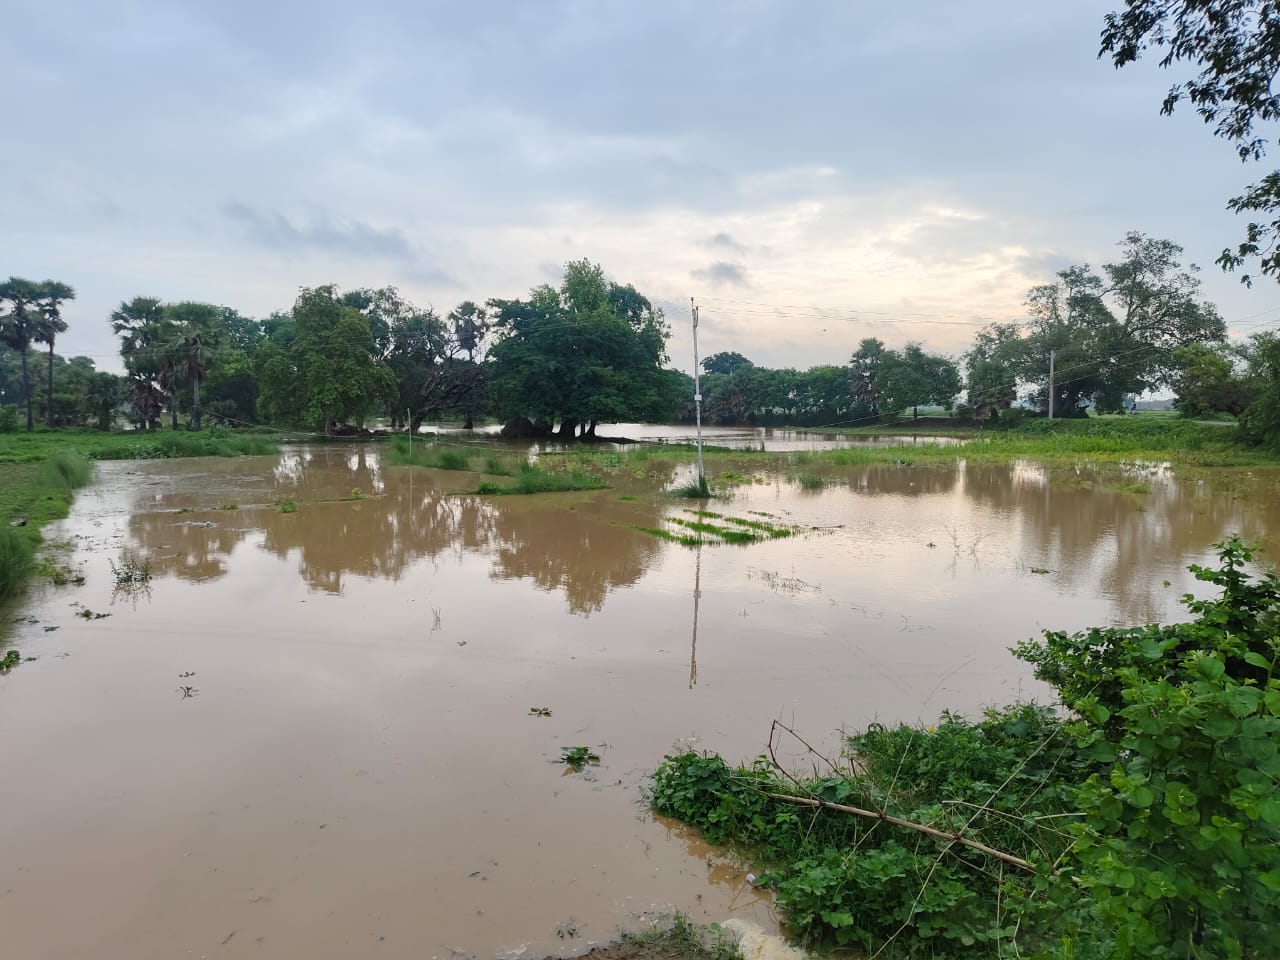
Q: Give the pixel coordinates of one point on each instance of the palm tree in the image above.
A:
(144, 335)
(18, 328)
(50, 295)
(193, 354)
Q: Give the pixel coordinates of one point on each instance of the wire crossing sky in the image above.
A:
(928, 162)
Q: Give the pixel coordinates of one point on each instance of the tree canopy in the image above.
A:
(1236, 44)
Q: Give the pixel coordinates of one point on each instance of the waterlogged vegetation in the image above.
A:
(1143, 822)
(711, 528)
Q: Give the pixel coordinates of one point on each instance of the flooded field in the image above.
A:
(312, 733)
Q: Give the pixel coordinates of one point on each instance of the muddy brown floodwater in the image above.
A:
(311, 736)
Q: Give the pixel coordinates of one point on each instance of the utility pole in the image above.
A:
(1051, 353)
(697, 392)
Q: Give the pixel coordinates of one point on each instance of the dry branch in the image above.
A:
(910, 825)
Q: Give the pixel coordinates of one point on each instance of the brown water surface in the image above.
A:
(354, 770)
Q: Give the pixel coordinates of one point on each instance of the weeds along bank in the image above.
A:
(40, 472)
(1143, 821)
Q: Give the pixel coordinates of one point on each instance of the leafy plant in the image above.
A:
(11, 659)
(131, 571)
(288, 506)
(1178, 844)
(577, 758)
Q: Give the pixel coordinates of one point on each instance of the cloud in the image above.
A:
(723, 273)
(725, 241)
(351, 237)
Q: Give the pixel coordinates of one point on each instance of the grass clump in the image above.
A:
(578, 758)
(10, 660)
(15, 561)
(288, 506)
(810, 481)
(695, 489)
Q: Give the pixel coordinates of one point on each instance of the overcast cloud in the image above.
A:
(909, 170)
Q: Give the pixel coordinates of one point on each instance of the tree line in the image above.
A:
(567, 358)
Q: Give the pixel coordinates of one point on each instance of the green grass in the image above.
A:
(531, 478)
(38, 492)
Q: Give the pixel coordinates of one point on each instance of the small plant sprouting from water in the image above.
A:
(11, 660)
(355, 493)
(131, 571)
(810, 481)
(578, 758)
(288, 506)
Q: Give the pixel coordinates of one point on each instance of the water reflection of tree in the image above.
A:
(903, 480)
(578, 545)
(192, 550)
(1095, 531)
(579, 550)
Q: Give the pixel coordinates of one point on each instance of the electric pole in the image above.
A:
(1051, 353)
(697, 393)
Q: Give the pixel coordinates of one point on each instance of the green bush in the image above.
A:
(8, 418)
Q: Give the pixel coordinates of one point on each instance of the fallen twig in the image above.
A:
(910, 825)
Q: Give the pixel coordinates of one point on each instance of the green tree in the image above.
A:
(590, 352)
(1236, 44)
(726, 362)
(912, 378)
(1209, 381)
(470, 325)
(329, 373)
(1110, 333)
(864, 372)
(104, 394)
(193, 332)
(50, 295)
(19, 327)
(145, 348)
(1260, 422)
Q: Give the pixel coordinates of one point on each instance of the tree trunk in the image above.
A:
(915, 413)
(568, 428)
(195, 404)
(26, 389)
(173, 410)
(50, 381)
(591, 430)
(469, 423)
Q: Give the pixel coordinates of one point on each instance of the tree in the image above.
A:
(104, 394)
(50, 296)
(991, 369)
(590, 352)
(329, 373)
(470, 325)
(864, 369)
(1110, 334)
(1208, 381)
(1236, 43)
(193, 333)
(1260, 422)
(144, 347)
(913, 378)
(725, 362)
(19, 327)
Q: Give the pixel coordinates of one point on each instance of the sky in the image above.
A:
(811, 172)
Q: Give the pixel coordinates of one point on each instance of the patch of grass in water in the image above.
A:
(810, 481)
(685, 539)
(497, 467)
(681, 939)
(288, 506)
(695, 489)
(530, 479)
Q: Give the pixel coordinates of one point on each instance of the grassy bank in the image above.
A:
(35, 493)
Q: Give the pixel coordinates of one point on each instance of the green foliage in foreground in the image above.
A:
(1151, 818)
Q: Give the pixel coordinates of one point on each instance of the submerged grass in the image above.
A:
(713, 528)
(33, 494)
